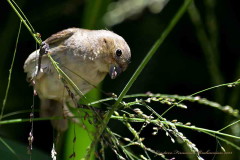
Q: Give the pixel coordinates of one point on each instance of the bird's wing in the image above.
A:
(60, 36)
(55, 40)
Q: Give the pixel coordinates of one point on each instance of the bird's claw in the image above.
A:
(44, 49)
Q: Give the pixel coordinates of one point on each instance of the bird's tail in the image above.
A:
(53, 108)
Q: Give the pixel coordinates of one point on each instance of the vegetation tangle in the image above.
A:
(140, 118)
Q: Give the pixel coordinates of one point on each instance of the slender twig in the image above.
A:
(20, 120)
(10, 72)
(229, 125)
(156, 121)
(234, 95)
(136, 120)
(25, 21)
(221, 85)
(224, 140)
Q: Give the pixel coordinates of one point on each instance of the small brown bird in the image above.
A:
(86, 56)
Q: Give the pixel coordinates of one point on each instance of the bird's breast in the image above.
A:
(85, 74)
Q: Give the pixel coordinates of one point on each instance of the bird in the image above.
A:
(85, 56)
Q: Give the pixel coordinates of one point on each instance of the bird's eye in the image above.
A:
(118, 52)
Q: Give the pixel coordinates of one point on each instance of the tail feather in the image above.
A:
(53, 108)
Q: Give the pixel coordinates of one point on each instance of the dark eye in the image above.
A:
(118, 52)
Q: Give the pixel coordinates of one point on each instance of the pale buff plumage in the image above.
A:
(90, 54)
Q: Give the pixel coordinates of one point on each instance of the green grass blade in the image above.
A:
(25, 21)
(9, 148)
(145, 61)
(154, 48)
(10, 72)
(207, 89)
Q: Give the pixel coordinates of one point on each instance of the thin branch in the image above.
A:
(10, 72)
(25, 21)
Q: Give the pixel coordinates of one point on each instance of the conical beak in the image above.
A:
(115, 71)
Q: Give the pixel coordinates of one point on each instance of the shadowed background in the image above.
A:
(182, 65)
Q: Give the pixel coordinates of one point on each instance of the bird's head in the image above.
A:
(117, 53)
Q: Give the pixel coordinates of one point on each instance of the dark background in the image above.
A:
(179, 66)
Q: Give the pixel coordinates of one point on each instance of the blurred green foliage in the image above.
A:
(182, 66)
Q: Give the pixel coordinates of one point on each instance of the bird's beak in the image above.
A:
(115, 70)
